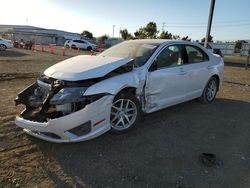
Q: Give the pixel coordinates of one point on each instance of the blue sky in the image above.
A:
(183, 17)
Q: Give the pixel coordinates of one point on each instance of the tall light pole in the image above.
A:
(210, 19)
(163, 26)
(120, 32)
(113, 31)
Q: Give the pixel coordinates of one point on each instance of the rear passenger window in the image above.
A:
(195, 54)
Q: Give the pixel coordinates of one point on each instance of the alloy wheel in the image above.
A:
(2, 47)
(123, 114)
(211, 90)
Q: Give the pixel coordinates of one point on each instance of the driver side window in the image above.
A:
(169, 57)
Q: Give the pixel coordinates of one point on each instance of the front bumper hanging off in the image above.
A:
(85, 124)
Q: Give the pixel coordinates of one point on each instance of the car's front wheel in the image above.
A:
(210, 91)
(3, 47)
(125, 113)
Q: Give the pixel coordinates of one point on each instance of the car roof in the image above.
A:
(160, 41)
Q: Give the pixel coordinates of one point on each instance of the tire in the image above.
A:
(210, 91)
(3, 47)
(125, 113)
(89, 48)
(67, 46)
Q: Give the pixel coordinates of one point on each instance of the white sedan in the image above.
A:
(4, 44)
(85, 96)
(80, 43)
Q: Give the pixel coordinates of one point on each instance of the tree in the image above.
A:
(186, 38)
(151, 30)
(87, 34)
(103, 37)
(210, 39)
(125, 34)
(166, 35)
(238, 43)
(140, 34)
(176, 37)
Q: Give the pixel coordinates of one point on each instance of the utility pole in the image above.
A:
(120, 28)
(113, 31)
(163, 26)
(27, 21)
(210, 19)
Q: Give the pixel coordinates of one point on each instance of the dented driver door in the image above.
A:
(167, 80)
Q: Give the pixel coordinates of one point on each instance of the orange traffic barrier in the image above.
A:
(92, 52)
(33, 47)
(51, 49)
(63, 51)
(100, 47)
(42, 48)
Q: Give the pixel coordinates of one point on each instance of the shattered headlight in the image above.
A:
(69, 95)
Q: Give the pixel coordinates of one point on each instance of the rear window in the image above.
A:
(196, 55)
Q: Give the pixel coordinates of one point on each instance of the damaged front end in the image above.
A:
(49, 99)
(58, 111)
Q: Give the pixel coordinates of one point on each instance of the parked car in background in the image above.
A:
(80, 43)
(213, 50)
(85, 96)
(4, 44)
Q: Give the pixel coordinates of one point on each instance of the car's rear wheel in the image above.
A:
(3, 47)
(210, 91)
(89, 48)
(125, 113)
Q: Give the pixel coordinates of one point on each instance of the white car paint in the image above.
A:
(61, 125)
(5, 44)
(84, 67)
(154, 89)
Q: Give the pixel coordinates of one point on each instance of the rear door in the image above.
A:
(166, 83)
(198, 70)
(83, 44)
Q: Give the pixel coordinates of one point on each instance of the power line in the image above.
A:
(203, 26)
(216, 22)
(228, 23)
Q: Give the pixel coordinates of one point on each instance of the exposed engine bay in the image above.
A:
(48, 99)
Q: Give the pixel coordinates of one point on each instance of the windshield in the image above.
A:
(139, 51)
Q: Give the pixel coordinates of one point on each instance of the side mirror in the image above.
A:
(153, 67)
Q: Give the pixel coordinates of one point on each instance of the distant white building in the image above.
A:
(37, 34)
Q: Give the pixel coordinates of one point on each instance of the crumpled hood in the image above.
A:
(84, 67)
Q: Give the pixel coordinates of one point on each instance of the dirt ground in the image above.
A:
(162, 151)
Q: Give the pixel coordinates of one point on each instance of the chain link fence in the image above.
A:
(229, 49)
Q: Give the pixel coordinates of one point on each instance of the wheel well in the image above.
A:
(130, 90)
(218, 80)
